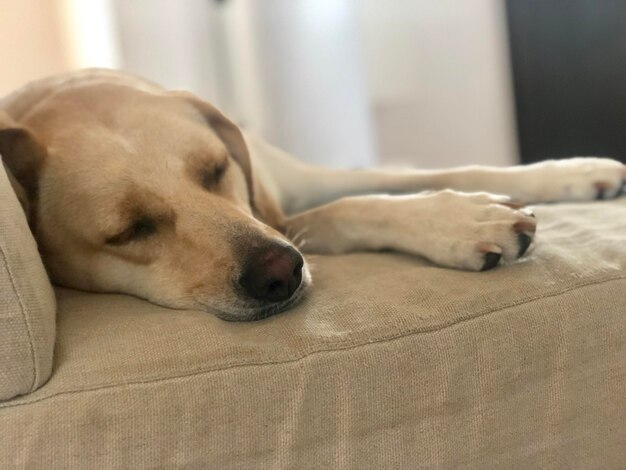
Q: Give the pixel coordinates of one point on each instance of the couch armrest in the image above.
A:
(27, 302)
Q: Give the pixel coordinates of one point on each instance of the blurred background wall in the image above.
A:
(347, 83)
(31, 42)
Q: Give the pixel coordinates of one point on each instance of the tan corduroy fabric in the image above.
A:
(27, 304)
(389, 363)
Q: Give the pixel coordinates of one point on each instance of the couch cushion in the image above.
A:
(27, 304)
(390, 362)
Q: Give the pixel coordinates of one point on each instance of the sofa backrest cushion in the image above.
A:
(27, 302)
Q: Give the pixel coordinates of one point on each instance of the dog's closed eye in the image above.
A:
(211, 177)
(140, 229)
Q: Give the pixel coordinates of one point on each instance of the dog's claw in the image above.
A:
(602, 189)
(524, 241)
(491, 261)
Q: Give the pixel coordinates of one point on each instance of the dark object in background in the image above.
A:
(569, 67)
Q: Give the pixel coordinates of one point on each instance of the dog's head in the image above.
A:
(151, 195)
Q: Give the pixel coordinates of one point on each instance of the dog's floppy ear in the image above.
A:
(22, 156)
(263, 206)
(228, 132)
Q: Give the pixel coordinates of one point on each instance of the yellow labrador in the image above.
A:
(134, 189)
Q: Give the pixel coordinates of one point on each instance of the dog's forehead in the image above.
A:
(98, 160)
(115, 129)
(83, 112)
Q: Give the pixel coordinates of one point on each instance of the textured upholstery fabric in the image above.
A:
(389, 363)
(27, 304)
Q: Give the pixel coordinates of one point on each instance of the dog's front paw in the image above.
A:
(474, 231)
(574, 179)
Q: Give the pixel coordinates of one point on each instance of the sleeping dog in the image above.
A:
(134, 189)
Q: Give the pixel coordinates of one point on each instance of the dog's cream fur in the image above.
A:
(94, 155)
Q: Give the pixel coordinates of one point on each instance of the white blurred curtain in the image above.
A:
(289, 70)
(299, 79)
(174, 43)
(334, 82)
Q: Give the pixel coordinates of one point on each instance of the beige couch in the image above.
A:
(389, 363)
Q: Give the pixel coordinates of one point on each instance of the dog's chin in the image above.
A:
(255, 312)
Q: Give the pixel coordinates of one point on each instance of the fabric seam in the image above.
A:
(156, 380)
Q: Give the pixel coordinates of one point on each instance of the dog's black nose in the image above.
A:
(272, 273)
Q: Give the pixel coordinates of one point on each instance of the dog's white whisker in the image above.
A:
(300, 233)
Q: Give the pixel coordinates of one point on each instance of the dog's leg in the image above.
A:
(298, 186)
(460, 230)
(576, 179)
